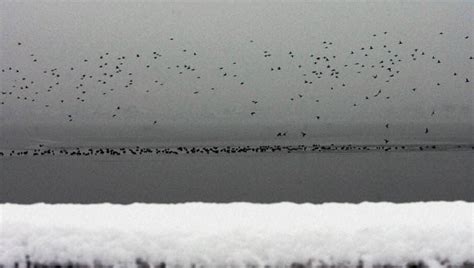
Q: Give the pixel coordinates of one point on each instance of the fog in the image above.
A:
(162, 105)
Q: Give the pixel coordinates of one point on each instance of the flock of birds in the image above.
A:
(106, 74)
(215, 150)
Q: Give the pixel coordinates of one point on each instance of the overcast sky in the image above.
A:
(48, 43)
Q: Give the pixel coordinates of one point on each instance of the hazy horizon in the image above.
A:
(327, 86)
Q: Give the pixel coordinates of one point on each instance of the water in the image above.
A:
(261, 177)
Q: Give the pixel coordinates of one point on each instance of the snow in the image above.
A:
(239, 233)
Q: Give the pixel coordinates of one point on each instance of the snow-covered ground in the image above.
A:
(208, 234)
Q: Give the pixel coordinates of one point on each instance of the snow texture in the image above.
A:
(239, 234)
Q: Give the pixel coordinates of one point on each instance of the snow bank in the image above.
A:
(239, 233)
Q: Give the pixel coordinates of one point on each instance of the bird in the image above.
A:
(106, 73)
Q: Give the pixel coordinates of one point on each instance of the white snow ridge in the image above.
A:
(434, 234)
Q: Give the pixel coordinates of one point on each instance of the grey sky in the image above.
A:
(62, 34)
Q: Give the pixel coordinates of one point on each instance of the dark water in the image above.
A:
(310, 177)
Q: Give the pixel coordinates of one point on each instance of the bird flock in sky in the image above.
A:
(105, 74)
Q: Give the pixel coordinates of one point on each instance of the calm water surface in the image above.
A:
(309, 177)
